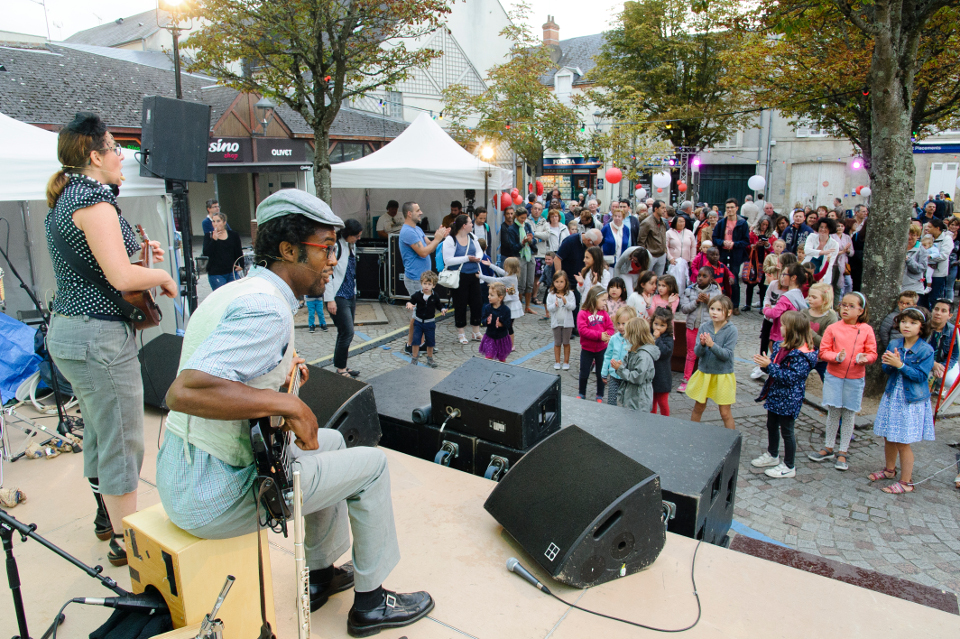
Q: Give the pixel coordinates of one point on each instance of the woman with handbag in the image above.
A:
(461, 257)
(340, 295)
(92, 340)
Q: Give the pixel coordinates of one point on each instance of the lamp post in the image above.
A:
(265, 108)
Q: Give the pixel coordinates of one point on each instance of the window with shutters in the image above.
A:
(807, 129)
(735, 141)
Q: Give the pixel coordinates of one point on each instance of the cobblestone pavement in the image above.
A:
(842, 516)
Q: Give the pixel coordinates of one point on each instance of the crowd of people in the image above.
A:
(632, 284)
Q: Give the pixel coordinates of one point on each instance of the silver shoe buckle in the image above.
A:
(391, 601)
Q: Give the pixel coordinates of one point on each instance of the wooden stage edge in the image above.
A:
(455, 550)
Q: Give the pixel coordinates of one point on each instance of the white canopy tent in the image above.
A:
(28, 157)
(423, 164)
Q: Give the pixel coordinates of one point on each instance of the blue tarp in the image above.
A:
(17, 359)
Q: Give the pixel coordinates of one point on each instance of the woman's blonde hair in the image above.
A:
(796, 330)
(499, 289)
(637, 332)
(916, 229)
(826, 292)
(512, 266)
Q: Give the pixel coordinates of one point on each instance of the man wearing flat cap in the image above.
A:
(238, 351)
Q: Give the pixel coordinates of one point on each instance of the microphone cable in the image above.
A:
(693, 580)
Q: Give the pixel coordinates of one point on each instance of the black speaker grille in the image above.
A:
(575, 477)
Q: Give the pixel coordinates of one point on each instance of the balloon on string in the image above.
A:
(641, 192)
(682, 187)
(505, 200)
(859, 188)
(661, 180)
(614, 175)
(530, 188)
(517, 199)
(756, 183)
(865, 191)
(515, 192)
(539, 187)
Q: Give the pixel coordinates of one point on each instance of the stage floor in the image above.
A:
(452, 548)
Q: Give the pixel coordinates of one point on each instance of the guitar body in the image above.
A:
(144, 300)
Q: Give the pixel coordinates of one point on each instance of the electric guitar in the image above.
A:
(144, 300)
(271, 455)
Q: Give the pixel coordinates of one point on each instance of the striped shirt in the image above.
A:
(249, 341)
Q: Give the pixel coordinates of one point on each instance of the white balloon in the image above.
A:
(756, 183)
(641, 192)
(661, 180)
(865, 191)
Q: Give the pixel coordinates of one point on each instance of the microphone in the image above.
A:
(513, 565)
(136, 603)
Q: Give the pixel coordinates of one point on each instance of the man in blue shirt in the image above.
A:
(415, 251)
(213, 207)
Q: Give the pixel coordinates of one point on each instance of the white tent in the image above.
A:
(28, 157)
(424, 165)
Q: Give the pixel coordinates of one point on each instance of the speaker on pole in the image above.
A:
(159, 361)
(584, 511)
(174, 139)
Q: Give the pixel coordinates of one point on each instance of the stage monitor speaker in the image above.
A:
(504, 404)
(697, 463)
(584, 511)
(174, 139)
(344, 404)
(401, 391)
(159, 361)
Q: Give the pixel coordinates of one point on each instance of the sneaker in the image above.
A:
(756, 373)
(323, 327)
(818, 457)
(556, 366)
(842, 465)
(765, 460)
(780, 471)
(565, 366)
(431, 363)
(746, 308)
(408, 349)
(682, 388)
(579, 396)
(599, 400)
(313, 330)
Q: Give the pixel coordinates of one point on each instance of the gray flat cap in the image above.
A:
(294, 201)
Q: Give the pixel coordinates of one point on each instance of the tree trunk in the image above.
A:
(892, 176)
(321, 165)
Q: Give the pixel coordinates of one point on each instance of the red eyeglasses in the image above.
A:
(329, 247)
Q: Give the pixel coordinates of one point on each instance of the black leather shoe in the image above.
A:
(342, 580)
(397, 610)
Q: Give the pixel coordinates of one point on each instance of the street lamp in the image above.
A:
(178, 10)
(486, 153)
(265, 109)
(597, 118)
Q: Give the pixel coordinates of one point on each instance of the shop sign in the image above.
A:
(229, 150)
(281, 151)
(577, 162)
(936, 148)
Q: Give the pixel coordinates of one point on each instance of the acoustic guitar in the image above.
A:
(144, 300)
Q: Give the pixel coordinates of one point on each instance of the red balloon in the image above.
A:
(614, 175)
(530, 188)
(859, 188)
(505, 200)
(515, 192)
(539, 187)
(681, 186)
(517, 199)
(659, 190)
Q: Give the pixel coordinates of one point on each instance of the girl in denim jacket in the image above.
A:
(905, 415)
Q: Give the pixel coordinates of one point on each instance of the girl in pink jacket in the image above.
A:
(792, 278)
(596, 329)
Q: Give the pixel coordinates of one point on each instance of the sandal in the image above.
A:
(898, 488)
(478, 336)
(117, 555)
(956, 482)
(463, 339)
(886, 473)
(350, 372)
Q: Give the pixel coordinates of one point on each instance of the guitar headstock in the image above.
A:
(142, 234)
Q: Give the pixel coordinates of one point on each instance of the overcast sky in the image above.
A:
(66, 17)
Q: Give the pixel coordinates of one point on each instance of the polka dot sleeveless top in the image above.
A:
(75, 295)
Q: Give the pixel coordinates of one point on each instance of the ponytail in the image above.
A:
(56, 184)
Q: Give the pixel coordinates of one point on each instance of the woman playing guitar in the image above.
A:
(90, 340)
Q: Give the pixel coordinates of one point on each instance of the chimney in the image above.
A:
(551, 32)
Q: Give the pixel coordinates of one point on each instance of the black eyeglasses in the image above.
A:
(116, 148)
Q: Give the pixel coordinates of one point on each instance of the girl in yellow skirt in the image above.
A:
(714, 378)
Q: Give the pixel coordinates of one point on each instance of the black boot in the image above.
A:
(101, 523)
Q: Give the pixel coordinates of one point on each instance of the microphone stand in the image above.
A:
(67, 423)
(10, 525)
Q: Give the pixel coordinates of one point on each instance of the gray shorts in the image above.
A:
(99, 359)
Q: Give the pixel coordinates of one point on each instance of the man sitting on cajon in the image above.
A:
(237, 352)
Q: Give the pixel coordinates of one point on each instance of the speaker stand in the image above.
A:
(178, 189)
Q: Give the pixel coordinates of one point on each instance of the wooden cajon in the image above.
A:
(189, 572)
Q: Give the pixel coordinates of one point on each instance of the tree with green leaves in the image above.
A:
(910, 77)
(313, 55)
(516, 108)
(662, 63)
